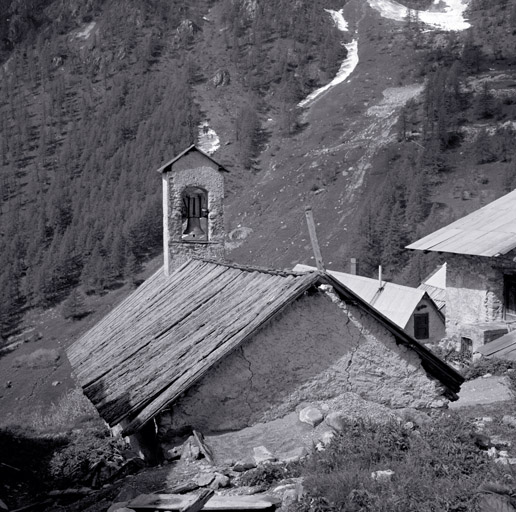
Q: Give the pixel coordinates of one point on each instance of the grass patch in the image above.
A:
(72, 410)
(436, 468)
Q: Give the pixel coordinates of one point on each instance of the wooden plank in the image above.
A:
(181, 503)
(137, 317)
(203, 447)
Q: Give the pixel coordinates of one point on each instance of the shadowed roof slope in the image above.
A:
(166, 335)
(490, 231)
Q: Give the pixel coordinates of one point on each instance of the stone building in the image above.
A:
(214, 346)
(412, 309)
(481, 272)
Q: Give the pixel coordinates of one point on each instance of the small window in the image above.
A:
(421, 326)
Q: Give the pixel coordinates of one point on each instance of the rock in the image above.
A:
(204, 479)
(503, 454)
(311, 415)
(336, 421)
(502, 460)
(509, 420)
(294, 455)
(221, 77)
(262, 455)
(327, 437)
(482, 441)
(219, 481)
(487, 375)
(127, 494)
(409, 425)
(190, 450)
(382, 475)
(8, 384)
(419, 418)
(290, 496)
(244, 465)
(56, 383)
(492, 452)
(511, 461)
(173, 453)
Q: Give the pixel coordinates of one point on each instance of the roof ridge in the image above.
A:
(249, 268)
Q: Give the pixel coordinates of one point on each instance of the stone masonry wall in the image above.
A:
(317, 349)
(474, 290)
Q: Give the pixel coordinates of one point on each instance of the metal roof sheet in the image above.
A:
(395, 301)
(489, 231)
(501, 348)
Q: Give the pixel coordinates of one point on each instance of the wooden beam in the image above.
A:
(313, 238)
(203, 447)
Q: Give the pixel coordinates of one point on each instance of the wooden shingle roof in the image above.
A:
(489, 231)
(189, 149)
(166, 335)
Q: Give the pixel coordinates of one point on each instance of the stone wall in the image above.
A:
(316, 349)
(192, 170)
(474, 290)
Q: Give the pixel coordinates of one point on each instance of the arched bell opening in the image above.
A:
(195, 214)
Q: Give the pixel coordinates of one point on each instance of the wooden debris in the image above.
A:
(205, 449)
(180, 503)
(83, 491)
(172, 502)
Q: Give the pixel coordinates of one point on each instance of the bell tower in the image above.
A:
(193, 215)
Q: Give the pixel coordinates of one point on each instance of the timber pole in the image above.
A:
(313, 238)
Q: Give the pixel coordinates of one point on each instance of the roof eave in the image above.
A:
(163, 168)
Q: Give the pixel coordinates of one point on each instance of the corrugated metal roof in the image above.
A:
(501, 348)
(489, 231)
(435, 286)
(166, 335)
(395, 301)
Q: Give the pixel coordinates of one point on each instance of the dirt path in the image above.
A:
(483, 391)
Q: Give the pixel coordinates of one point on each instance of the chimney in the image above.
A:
(354, 266)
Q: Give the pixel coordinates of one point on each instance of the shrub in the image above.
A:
(437, 467)
(483, 366)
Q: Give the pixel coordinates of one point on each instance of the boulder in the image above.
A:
(204, 479)
(508, 420)
(221, 77)
(219, 481)
(327, 437)
(190, 450)
(336, 420)
(311, 415)
(261, 455)
(244, 465)
(382, 475)
(294, 455)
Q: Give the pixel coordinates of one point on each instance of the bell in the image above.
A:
(193, 229)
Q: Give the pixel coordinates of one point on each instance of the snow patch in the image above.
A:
(338, 18)
(346, 68)
(451, 16)
(209, 141)
(86, 31)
